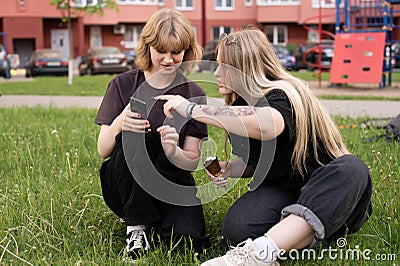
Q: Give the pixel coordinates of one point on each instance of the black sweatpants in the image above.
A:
(336, 200)
(126, 198)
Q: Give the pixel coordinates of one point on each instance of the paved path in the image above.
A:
(336, 107)
(50, 101)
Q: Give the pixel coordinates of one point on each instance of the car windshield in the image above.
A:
(282, 50)
(107, 50)
(50, 54)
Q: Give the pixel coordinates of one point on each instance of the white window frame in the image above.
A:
(184, 5)
(134, 40)
(96, 38)
(83, 3)
(278, 2)
(324, 3)
(221, 29)
(248, 2)
(275, 34)
(139, 2)
(224, 6)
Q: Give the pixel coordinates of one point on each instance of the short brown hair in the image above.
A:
(167, 27)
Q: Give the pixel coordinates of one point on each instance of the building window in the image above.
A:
(224, 4)
(324, 3)
(83, 3)
(132, 36)
(277, 34)
(278, 2)
(184, 4)
(140, 2)
(248, 2)
(217, 31)
(95, 36)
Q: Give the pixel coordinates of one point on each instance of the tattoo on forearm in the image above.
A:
(228, 110)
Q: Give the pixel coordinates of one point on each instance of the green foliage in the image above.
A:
(52, 211)
(65, 5)
(291, 47)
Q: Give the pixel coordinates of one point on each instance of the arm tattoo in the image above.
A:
(228, 110)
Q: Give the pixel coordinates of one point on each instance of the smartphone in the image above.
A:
(139, 106)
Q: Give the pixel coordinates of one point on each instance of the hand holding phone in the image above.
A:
(138, 106)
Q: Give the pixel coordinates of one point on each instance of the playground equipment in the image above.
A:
(312, 57)
(319, 47)
(364, 41)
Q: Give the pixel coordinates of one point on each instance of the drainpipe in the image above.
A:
(203, 22)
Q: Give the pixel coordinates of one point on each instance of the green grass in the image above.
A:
(52, 211)
(96, 85)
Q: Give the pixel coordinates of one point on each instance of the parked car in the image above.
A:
(307, 56)
(4, 63)
(130, 58)
(46, 62)
(208, 60)
(286, 59)
(396, 53)
(105, 59)
(395, 56)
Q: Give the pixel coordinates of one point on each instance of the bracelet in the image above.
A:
(189, 109)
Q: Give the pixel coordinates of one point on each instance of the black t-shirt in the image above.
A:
(275, 168)
(117, 96)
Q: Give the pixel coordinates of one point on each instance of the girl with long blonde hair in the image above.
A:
(306, 185)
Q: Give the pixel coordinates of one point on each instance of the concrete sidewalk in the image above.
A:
(335, 107)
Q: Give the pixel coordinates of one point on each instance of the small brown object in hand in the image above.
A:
(212, 165)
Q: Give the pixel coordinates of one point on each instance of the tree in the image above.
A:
(71, 8)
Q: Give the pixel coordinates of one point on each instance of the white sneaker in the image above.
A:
(137, 243)
(243, 254)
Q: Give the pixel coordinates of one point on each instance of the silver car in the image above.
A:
(4, 63)
(105, 59)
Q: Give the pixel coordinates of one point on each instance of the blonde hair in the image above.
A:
(167, 27)
(255, 57)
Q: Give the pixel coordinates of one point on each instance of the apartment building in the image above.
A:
(26, 25)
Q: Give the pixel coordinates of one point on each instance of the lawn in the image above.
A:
(52, 211)
(96, 85)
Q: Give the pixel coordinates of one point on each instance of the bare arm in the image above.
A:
(187, 157)
(106, 140)
(264, 123)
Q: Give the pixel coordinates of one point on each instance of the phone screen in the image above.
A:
(138, 106)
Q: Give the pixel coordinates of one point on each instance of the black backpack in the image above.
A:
(392, 129)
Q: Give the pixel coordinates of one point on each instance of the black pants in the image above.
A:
(335, 201)
(126, 198)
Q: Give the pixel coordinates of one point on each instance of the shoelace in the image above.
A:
(239, 254)
(137, 239)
